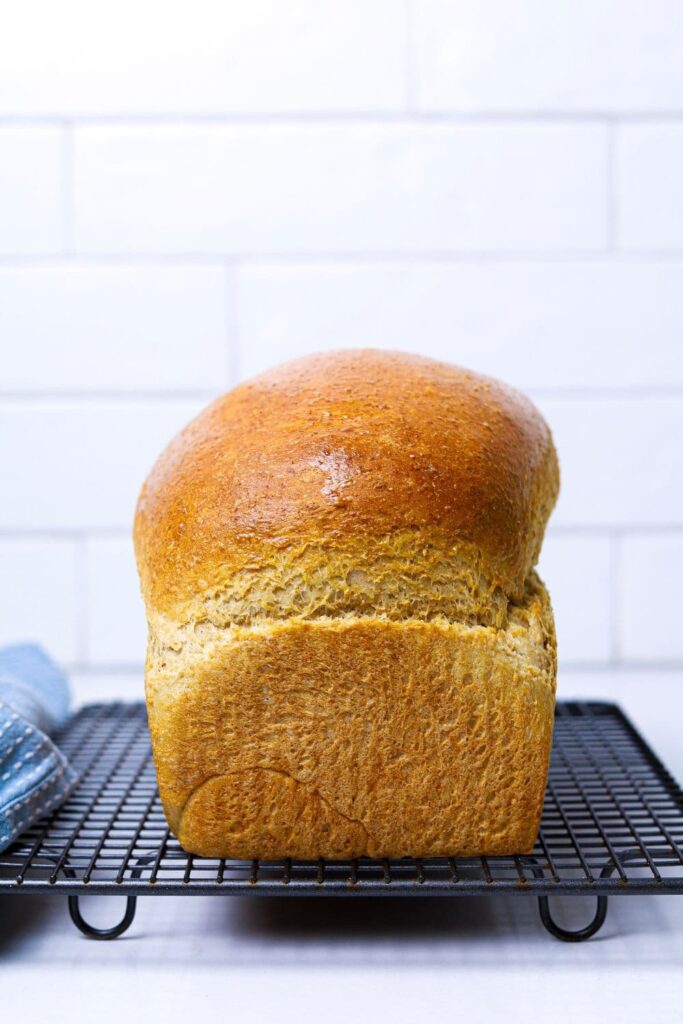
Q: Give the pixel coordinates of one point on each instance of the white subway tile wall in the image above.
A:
(215, 57)
(560, 325)
(651, 574)
(185, 201)
(340, 188)
(33, 205)
(81, 328)
(602, 56)
(76, 464)
(582, 610)
(115, 631)
(39, 596)
(649, 190)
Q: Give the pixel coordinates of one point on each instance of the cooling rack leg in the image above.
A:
(570, 934)
(549, 923)
(102, 933)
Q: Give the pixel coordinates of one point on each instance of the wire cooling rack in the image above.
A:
(612, 823)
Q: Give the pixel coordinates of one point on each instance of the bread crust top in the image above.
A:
(331, 449)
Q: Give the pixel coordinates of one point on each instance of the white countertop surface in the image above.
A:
(414, 960)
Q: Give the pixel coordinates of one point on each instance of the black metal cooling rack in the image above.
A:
(612, 823)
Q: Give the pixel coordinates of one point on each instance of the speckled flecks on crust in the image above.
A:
(349, 653)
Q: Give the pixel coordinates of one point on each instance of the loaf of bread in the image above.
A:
(349, 651)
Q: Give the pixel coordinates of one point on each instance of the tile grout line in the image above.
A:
(93, 396)
(389, 115)
(68, 191)
(612, 203)
(371, 258)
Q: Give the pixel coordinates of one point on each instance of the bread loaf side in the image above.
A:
(349, 651)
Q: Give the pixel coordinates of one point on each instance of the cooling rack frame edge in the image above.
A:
(536, 883)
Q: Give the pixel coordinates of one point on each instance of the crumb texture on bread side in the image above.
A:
(349, 652)
(338, 738)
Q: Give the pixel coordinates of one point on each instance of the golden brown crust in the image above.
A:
(341, 446)
(348, 650)
(343, 738)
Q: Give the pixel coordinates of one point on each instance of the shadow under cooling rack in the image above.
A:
(612, 823)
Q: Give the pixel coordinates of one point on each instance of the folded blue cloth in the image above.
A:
(35, 777)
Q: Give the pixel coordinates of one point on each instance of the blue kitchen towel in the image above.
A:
(35, 777)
